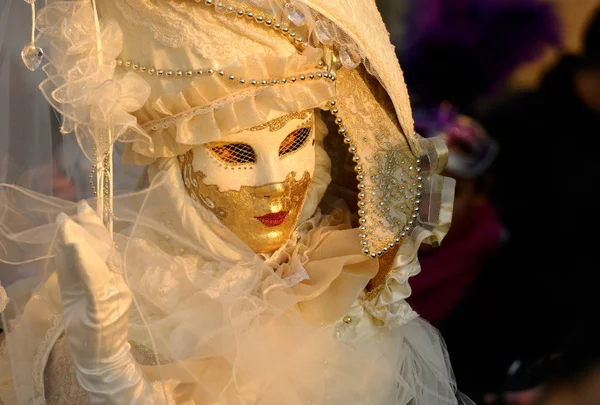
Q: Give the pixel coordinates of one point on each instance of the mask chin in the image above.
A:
(263, 217)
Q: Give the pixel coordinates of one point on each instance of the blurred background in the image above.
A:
(513, 87)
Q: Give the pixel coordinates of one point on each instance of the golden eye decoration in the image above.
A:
(294, 141)
(232, 153)
(278, 123)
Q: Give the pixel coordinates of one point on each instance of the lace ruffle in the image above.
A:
(211, 35)
(305, 267)
(82, 85)
(212, 107)
(260, 325)
(387, 302)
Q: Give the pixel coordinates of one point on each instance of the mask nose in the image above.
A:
(273, 190)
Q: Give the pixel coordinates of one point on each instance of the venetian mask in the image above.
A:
(255, 181)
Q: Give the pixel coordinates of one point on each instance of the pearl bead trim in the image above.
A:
(322, 72)
(363, 220)
(166, 122)
(258, 18)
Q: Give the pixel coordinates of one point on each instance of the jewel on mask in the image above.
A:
(209, 203)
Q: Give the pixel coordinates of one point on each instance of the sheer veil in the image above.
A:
(269, 329)
(27, 123)
(26, 119)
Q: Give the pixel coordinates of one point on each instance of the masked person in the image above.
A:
(267, 259)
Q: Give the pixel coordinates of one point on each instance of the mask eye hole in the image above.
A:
(232, 153)
(294, 141)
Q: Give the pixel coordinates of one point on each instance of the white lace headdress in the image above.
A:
(164, 76)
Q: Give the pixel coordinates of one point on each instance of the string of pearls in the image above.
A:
(258, 18)
(321, 72)
(362, 194)
(282, 28)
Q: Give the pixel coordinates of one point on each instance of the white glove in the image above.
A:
(96, 304)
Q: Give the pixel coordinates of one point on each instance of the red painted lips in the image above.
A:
(273, 219)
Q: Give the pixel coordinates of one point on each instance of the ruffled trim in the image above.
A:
(213, 107)
(434, 220)
(206, 89)
(82, 86)
(291, 262)
(320, 256)
(387, 301)
(324, 270)
(245, 313)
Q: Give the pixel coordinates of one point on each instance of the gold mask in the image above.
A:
(248, 180)
(263, 217)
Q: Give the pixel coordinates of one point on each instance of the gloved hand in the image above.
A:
(96, 303)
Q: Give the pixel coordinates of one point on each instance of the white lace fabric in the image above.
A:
(160, 117)
(214, 36)
(94, 102)
(264, 323)
(210, 108)
(218, 323)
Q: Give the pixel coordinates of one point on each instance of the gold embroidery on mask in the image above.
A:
(280, 122)
(256, 214)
